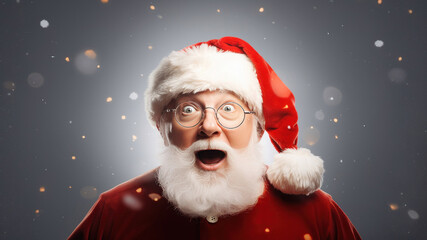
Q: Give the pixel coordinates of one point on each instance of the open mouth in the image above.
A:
(210, 159)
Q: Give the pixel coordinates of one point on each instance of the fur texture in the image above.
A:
(296, 171)
(198, 69)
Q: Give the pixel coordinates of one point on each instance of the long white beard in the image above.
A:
(200, 193)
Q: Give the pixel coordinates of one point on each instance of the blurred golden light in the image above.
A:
(150, 47)
(9, 85)
(139, 190)
(42, 189)
(104, 1)
(335, 120)
(109, 99)
(410, 11)
(380, 1)
(154, 196)
(37, 211)
(67, 59)
(286, 106)
(90, 54)
(336, 136)
(123, 117)
(89, 192)
(393, 206)
(83, 137)
(310, 135)
(307, 237)
(218, 10)
(73, 157)
(69, 187)
(399, 59)
(134, 138)
(261, 9)
(98, 66)
(267, 230)
(152, 7)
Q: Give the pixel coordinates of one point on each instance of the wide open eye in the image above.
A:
(228, 108)
(188, 109)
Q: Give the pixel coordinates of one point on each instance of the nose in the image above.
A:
(209, 126)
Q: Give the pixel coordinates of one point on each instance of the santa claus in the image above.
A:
(211, 103)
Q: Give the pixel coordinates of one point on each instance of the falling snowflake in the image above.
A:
(44, 23)
(379, 43)
(133, 96)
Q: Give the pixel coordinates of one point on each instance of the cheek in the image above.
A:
(241, 136)
(181, 137)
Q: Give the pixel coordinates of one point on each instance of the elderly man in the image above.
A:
(211, 103)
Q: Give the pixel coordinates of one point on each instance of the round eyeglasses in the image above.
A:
(229, 115)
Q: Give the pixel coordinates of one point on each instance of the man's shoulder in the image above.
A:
(145, 182)
(318, 199)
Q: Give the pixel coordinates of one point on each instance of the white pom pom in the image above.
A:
(296, 171)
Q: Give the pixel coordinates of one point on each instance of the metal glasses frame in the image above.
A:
(216, 114)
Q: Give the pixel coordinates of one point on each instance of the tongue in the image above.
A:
(210, 156)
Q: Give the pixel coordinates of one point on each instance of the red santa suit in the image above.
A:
(136, 210)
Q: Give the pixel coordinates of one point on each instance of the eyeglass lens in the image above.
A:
(229, 114)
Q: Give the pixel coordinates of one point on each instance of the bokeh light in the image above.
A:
(133, 96)
(132, 202)
(90, 54)
(261, 9)
(154, 196)
(413, 214)
(35, 80)
(138, 190)
(86, 62)
(319, 115)
(9, 85)
(397, 75)
(393, 206)
(267, 230)
(332, 96)
(44, 23)
(42, 189)
(307, 237)
(109, 99)
(89, 192)
(152, 7)
(310, 135)
(379, 43)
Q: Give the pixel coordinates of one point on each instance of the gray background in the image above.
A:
(375, 167)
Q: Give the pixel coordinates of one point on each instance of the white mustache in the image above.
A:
(209, 145)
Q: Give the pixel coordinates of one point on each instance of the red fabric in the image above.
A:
(278, 101)
(275, 216)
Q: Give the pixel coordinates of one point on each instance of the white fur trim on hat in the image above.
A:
(198, 69)
(296, 171)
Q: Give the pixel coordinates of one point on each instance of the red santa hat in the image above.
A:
(232, 64)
